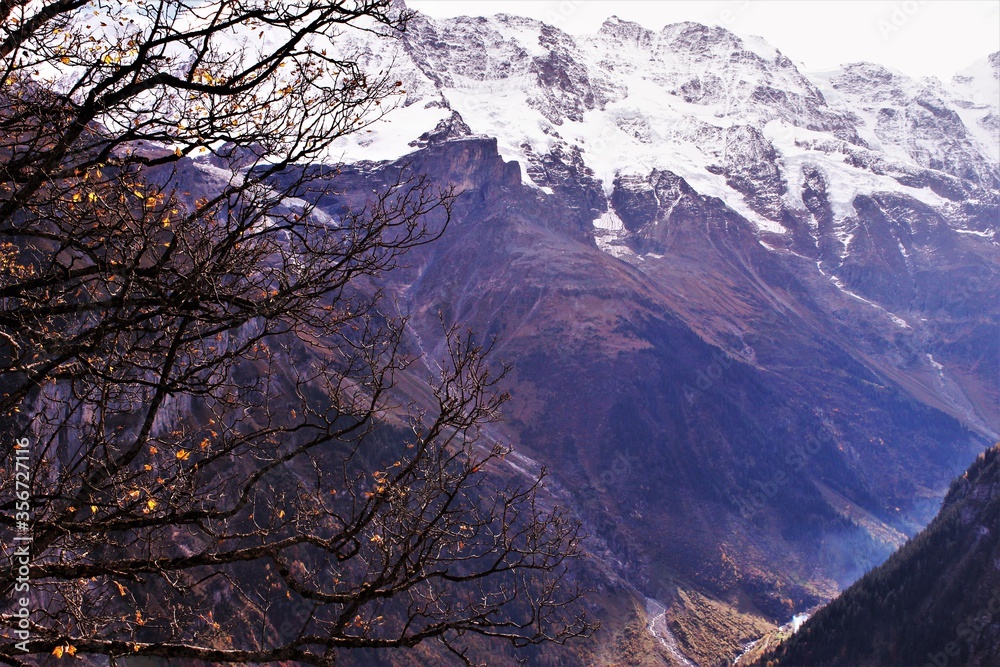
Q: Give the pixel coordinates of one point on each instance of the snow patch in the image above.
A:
(609, 220)
(799, 147)
(986, 235)
(935, 364)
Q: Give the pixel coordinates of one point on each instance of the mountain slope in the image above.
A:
(751, 317)
(881, 180)
(936, 601)
(757, 482)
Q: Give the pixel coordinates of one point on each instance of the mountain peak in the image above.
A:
(613, 24)
(632, 100)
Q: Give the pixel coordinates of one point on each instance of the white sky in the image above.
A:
(916, 37)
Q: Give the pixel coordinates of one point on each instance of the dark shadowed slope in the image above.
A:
(936, 602)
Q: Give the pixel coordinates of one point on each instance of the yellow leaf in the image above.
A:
(133, 494)
(281, 514)
(58, 651)
(71, 649)
(153, 450)
(183, 455)
(178, 152)
(64, 60)
(93, 508)
(151, 504)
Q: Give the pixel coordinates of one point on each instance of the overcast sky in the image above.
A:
(916, 37)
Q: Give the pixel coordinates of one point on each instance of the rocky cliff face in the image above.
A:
(751, 311)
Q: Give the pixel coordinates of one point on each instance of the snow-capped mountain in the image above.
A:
(731, 116)
(862, 170)
(750, 311)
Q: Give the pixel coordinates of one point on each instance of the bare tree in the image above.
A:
(221, 468)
